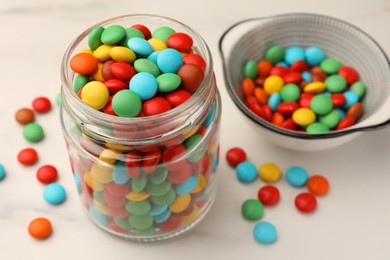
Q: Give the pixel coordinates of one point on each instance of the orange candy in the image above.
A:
(248, 86)
(277, 119)
(318, 185)
(264, 67)
(261, 96)
(40, 228)
(84, 63)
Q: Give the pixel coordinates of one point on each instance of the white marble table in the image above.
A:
(351, 222)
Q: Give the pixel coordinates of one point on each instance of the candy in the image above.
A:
(144, 85)
(156, 105)
(273, 84)
(268, 195)
(24, 116)
(305, 202)
(318, 185)
(126, 103)
(294, 54)
(314, 56)
(191, 77)
(113, 34)
(335, 83)
(330, 66)
(140, 46)
(269, 172)
(169, 60)
(321, 104)
(297, 176)
(163, 33)
(95, 94)
(40, 228)
(47, 174)
(317, 128)
(41, 104)
(2, 172)
(275, 54)
(84, 63)
(180, 41)
(235, 155)
(290, 92)
(246, 171)
(359, 88)
(28, 156)
(122, 54)
(349, 73)
(54, 193)
(250, 69)
(303, 116)
(196, 59)
(33, 132)
(265, 232)
(252, 209)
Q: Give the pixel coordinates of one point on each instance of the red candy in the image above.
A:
(289, 124)
(305, 202)
(41, 104)
(278, 71)
(122, 70)
(180, 41)
(150, 160)
(345, 122)
(172, 223)
(106, 70)
(299, 66)
(292, 77)
(191, 77)
(195, 59)
(305, 98)
(171, 155)
(338, 99)
(145, 31)
(268, 195)
(177, 97)
(349, 73)
(47, 174)
(235, 156)
(156, 105)
(287, 108)
(28, 156)
(115, 85)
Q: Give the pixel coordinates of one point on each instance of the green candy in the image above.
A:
(94, 37)
(158, 176)
(252, 209)
(139, 183)
(145, 65)
(131, 33)
(359, 88)
(275, 54)
(317, 128)
(113, 34)
(79, 82)
(168, 82)
(250, 69)
(165, 199)
(321, 104)
(141, 222)
(58, 99)
(122, 223)
(335, 83)
(97, 195)
(330, 66)
(190, 144)
(126, 103)
(33, 132)
(138, 207)
(158, 189)
(163, 33)
(331, 119)
(290, 92)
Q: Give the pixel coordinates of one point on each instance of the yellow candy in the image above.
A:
(157, 44)
(269, 172)
(100, 207)
(273, 84)
(303, 116)
(137, 196)
(109, 156)
(180, 203)
(192, 216)
(314, 87)
(119, 53)
(95, 94)
(102, 53)
(101, 173)
(201, 183)
(86, 51)
(98, 73)
(93, 184)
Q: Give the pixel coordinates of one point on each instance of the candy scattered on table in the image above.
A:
(246, 172)
(24, 116)
(318, 185)
(41, 104)
(297, 176)
(28, 156)
(40, 228)
(33, 132)
(235, 156)
(252, 209)
(303, 90)
(268, 195)
(2, 172)
(47, 174)
(265, 232)
(305, 202)
(54, 193)
(269, 172)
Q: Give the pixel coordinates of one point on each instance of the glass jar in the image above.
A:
(144, 178)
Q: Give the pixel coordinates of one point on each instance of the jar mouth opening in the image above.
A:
(67, 74)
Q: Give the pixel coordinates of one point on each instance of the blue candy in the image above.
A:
(210, 117)
(169, 60)
(282, 64)
(246, 172)
(144, 84)
(153, 56)
(77, 180)
(157, 210)
(274, 100)
(294, 54)
(297, 176)
(54, 193)
(341, 112)
(187, 186)
(97, 216)
(314, 56)
(140, 46)
(265, 232)
(162, 217)
(119, 175)
(2, 172)
(306, 76)
(351, 98)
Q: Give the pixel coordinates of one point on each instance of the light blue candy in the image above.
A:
(246, 172)
(214, 163)
(99, 217)
(162, 217)
(265, 232)
(153, 56)
(140, 46)
(282, 64)
(209, 117)
(119, 175)
(351, 98)
(144, 84)
(2, 172)
(54, 193)
(157, 210)
(169, 60)
(274, 100)
(294, 54)
(341, 112)
(297, 176)
(187, 186)
(77, 180)
(314, 56)
(306, 76)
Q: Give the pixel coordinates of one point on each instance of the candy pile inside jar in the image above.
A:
(132, 72)
(302, 89)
